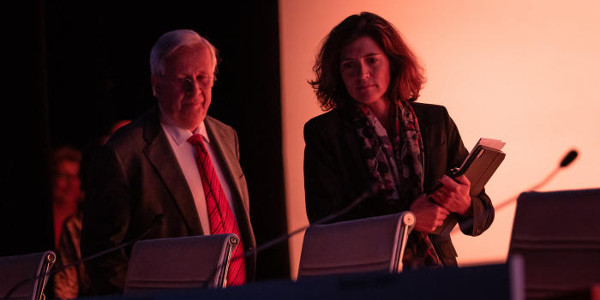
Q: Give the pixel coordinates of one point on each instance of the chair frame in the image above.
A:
(145, 253)
(43, 262)
(401, 223)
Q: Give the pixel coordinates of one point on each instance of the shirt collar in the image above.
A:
(181, 135)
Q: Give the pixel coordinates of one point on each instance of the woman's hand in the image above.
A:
(428, 214)
(454, 195)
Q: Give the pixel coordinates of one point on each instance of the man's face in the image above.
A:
(184, 89)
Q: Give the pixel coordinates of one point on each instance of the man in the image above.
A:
(153, 168)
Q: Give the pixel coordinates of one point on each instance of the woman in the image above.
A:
(377, 140)
(73, 282)
(66, 187)
(66, 201)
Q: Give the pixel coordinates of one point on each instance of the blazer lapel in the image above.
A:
(224, 144)
(228, 158)
(159, 153)
(351, 141)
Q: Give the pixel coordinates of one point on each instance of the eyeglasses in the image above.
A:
(204, 81)
(188, 82)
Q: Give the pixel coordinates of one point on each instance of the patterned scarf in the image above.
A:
(395, 161)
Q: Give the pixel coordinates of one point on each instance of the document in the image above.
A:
(479, 166)
(481, 163)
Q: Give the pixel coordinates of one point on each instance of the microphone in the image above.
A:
(366, 194)
(569, 158)
(157, 221)
(566, 161)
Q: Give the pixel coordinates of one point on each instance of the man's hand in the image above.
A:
(428, 214)
(454, 195)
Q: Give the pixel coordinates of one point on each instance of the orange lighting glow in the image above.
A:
(523, 71)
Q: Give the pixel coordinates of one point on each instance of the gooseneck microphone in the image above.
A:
(157, 221)
(366, 194)
(569, 158)
(566, 161)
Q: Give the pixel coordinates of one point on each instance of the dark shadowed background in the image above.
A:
(76, 67)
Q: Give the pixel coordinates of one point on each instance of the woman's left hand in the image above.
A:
(454, 195)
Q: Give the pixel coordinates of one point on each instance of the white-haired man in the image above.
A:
(156, 166)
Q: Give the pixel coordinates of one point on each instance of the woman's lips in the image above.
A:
(362, 87)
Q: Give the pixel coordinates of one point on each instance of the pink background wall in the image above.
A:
(523, 71)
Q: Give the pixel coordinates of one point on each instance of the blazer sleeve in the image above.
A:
(321, 184)
(482, 209)
(105, 223)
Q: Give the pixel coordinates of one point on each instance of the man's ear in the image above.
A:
(155, 85)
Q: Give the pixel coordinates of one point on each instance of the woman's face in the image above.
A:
(67, 185)
(365, 70)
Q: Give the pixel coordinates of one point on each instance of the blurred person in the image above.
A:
(156, 168)
(66, 186)
(73, 282)
(375, 136)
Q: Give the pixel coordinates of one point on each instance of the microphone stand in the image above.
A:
(282, 238)
(567, 160)
(325, 219)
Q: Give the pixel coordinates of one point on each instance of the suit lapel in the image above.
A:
(159, 153)
(356, 162)
(227, 158)
(223, 142)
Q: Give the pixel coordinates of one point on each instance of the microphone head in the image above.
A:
(569, 158)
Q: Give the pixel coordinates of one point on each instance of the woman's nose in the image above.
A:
(363, 71)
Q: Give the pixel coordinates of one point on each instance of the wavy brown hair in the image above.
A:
(406, 74)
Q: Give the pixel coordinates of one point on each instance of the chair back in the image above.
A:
(357, 246)
(558, 235)
(24, 277)
(179, 263)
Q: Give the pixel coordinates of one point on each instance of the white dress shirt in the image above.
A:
(184, 153)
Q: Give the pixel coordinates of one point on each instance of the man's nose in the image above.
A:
(192, 87)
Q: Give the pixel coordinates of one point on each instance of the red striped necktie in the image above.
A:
(220, 215)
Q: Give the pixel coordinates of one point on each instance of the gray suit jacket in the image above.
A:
(136, 177)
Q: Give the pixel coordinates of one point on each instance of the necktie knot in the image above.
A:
(195, 139)
(197, 142)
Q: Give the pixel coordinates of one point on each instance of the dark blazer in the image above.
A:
(136, 177)
(335, 172)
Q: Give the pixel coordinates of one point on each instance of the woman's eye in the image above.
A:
(372, 60)
(347, 65)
